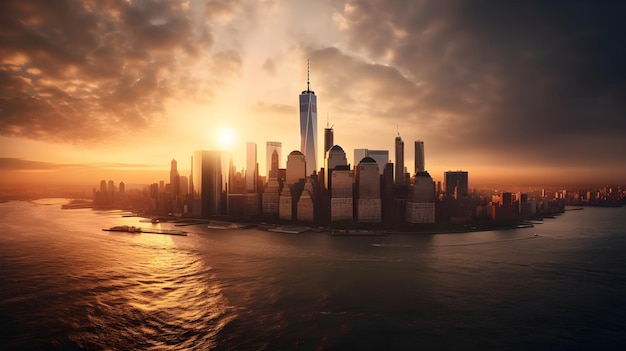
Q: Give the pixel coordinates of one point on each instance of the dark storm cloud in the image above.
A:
(79, 71)
(533, 78)
(354, 86)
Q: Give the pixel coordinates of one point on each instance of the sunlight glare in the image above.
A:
(226, 137)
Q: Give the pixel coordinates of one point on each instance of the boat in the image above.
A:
(124, 228)
(288, 229)
(133, 229)
(357, 232)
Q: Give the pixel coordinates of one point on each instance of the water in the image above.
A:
(67, 285)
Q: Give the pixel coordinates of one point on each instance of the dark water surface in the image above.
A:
(65, 285)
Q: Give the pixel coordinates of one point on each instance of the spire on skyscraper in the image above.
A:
(308, 75)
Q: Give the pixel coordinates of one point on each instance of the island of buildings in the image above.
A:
(374, 193)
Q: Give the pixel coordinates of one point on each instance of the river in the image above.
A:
(67, 285)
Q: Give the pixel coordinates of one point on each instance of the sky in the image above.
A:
(518, 92)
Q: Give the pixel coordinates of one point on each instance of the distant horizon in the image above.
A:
(142, 178)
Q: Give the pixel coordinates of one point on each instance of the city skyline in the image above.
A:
(510, 92)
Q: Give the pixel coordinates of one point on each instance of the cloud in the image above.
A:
(353, 85)
(81, 72)
(18, 164)
(269, 67)
(263, 108)
(534, 80)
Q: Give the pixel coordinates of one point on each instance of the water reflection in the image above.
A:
(105, 290)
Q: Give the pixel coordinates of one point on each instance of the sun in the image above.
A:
(226, 137)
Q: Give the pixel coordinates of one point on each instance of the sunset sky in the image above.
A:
(525, 91)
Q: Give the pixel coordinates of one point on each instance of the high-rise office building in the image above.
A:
(274, 166)
(368, 190)
(272, 146)
(380, 156)
(296, 167)
(328, 138)
(270, 198)
(399, 176)
(174, 179)
(456, 183)
(420, 207)
(305, 207)
(210, 183)
(184, 185)
(341, 197)
(285, 205)
(419, 157)
(251, 168)
(308, 126)
(334, 157)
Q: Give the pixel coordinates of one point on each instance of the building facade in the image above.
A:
(341, 198)
(296, 167)
(456, 183)
(252, 168)
(380, 156)
(334, 157)
(399, 176)
(420, 206)
(209, 183)
(420, 164)
(368, 190)
(272, 146)
(308, 126)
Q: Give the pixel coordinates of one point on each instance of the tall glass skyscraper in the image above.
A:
(308, 126)
(209, 183)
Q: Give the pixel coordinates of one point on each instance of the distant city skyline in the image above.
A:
(118, 91)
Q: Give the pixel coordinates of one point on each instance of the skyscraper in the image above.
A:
(274, 166)
(209, 183)
(272, 146)
(368, 190)
(335, 157)
(296, 167)
(399, 177)
(420, 207)
(419, 157)
(456, 183)
(380, 156)
(308, 126)
(251, 168)
(328, 138)
(174, 179)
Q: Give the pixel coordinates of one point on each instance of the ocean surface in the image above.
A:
(67, 285)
